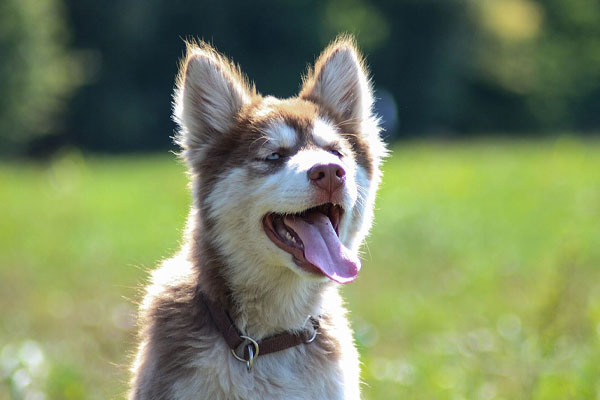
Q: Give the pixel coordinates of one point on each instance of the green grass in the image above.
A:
(481, 277)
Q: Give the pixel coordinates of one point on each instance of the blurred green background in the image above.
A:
(481, 278)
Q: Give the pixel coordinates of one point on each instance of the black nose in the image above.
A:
(329, 177)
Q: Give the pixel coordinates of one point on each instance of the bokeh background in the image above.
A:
(481, 278)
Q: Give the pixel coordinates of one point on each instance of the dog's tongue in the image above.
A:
(322, 247)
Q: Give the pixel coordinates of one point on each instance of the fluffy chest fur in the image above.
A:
(283, 194)
(185, 357)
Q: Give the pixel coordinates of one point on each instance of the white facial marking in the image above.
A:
(323, 133)
(305, 159)
(282, 135)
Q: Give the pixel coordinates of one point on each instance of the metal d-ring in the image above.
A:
(313, 336)
(251, 356)
(250, 361)
(315, 329)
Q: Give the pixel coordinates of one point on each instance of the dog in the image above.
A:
(283, 194)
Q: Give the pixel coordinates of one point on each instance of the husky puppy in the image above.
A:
(283, 193)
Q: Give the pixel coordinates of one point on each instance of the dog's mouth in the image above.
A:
(312, 238)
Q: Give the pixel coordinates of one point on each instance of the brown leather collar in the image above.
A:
(253, 348)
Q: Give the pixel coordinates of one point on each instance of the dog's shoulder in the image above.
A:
(171, 301)
(174, 324)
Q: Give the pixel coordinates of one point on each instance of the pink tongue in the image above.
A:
(323, 249)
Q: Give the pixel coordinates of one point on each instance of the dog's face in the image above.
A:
(282, 184)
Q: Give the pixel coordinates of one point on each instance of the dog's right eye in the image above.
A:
(273, 157)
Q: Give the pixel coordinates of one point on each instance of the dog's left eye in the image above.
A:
(273, 157)
(336, 153)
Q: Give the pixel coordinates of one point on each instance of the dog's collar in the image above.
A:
(253, 348)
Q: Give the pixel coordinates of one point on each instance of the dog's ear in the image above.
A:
(340, 83)
(210, 92)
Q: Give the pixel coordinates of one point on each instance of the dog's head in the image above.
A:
(282, 184)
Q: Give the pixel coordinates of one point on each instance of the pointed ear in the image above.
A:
(340, 83)
(210, 93)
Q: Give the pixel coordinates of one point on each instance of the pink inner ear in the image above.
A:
(340, 83)
(211, 91)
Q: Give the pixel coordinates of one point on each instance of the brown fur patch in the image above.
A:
(170, 327)
(327, 342)
(362, 152)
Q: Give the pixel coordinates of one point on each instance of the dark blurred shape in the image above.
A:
(452, 67)
(386, 110)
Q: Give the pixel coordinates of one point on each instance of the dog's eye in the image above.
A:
(273, 157)
(336, 152)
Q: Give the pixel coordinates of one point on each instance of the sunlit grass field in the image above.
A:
(481, 279)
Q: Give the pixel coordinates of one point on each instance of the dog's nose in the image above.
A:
(329, 177)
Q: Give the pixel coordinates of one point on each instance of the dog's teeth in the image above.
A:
(289, 237)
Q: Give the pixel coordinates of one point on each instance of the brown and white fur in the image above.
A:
(229, 133)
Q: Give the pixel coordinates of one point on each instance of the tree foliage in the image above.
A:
(38, 72)
(447, 66)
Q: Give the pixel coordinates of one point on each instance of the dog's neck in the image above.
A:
(283, 302)
(266, 302)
